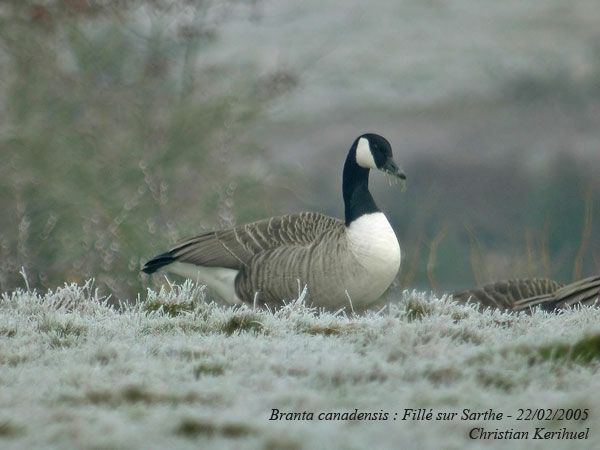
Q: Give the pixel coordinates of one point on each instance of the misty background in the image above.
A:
(125, 126)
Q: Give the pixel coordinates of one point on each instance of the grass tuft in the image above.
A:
(9, 429)
(65, 329)
(8, 332)
(105, 356)
(209, 368)
(491, 378)
(417, 308)
(282, 442)
(584, 351)
(135, 393)
(62, 333)
(12, 359)
(172, 309)
(325, 330)
(194, 427)
(235, 430)
(242, 321)
(444, 375)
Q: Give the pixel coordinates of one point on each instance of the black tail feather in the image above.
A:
(157, 262)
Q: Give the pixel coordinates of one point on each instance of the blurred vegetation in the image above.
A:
(474, 222)
(116, 133)
(530, 211)
(119, 136)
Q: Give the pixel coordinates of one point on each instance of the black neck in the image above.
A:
(355, 187)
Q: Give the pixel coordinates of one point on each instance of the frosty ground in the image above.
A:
(173, 371)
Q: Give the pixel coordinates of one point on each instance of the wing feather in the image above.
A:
(518, 295)
(234, 247)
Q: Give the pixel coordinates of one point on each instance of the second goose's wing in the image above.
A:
(519, 295)
(505, 294)
(234, 247)
(584, 291)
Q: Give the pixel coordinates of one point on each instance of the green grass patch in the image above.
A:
(9, 429)
(132, 394)
(172, 309)
(192, 427)
(585, 351)
(12, 359)
(62, 334)
(326, 330)
(241, 322)
(492, 378)
(8, 332)
(331, 329)
(209, 368)
(417, 309)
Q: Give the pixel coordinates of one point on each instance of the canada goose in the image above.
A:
(519, 295)
(342, 264)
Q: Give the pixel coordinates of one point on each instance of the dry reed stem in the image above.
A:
(586, 233)
(407, 279)
(478, 264)
(432, 256)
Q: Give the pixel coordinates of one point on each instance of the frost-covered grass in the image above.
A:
(173, 371)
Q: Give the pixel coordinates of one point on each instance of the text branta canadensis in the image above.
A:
(342, 264)
(520, 295)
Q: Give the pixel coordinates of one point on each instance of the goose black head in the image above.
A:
(375, 152)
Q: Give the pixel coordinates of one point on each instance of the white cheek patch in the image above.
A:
(364, 157)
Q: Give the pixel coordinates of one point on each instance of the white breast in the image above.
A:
(373, 243)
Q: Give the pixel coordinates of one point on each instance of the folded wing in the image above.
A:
(234, 247)
(524, 294)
